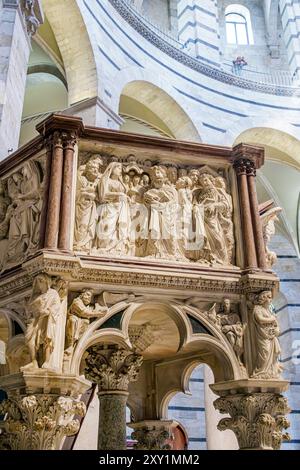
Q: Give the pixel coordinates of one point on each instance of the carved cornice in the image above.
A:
(136, 22)
(73, 269)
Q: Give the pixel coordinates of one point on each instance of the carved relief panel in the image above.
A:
(20, 213)
(146, 210)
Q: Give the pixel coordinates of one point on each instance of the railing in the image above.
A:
(277, 83)
(275, 77)
(166, 34)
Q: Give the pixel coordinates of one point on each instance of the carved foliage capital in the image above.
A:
(39, 422)
(112, 368)
(243, 166)
(151, 439)
(257, 419)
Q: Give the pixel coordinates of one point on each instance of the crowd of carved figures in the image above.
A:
(20, 211)
(55, 324)
(159, 211)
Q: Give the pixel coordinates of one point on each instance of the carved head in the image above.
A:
(116, 170)
(184, 182)
(226, 306)
(206, 181)
(145, 180)
(136, 180)
(159, 174)
(126, 178)
(92, 168)
(194, 176)
(172, 174)
(86, 296)
(182, 172)
(41, 283)
(265, 297)
(220, 182)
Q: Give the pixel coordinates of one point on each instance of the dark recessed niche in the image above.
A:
(197, 326)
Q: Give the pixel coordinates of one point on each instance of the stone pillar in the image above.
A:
(247, 229)
(246, 159)
(53, 213)
(257, 412)
(18, 22)
(152, 434)
(61, 134)
(198, 29)
(256, 221)
(112, 369)
(215, 439)
(66, 201)
(40, 410)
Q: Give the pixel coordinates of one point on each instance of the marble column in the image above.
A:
(53, 213)
(241, 166)
(256, 222)
(66, 201)
(112, 369)
(46, 191)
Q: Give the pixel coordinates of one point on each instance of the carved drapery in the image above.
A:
(129, 208)
(257, 419)
(20, 213)
(38, 422)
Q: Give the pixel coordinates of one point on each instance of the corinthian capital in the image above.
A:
(39, 422)
(257, 419)
(243, 166)
(112, 368)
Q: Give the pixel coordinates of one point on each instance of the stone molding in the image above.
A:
(136, 22)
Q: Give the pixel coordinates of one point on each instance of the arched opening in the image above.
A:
(147, 109)
(46, 85)
(238, 25)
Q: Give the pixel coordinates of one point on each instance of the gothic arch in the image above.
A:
(75, 47)
(163, 100)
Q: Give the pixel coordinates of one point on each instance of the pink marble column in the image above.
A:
(53, 214)
(241, 166)
(66, 197)
(256, 222)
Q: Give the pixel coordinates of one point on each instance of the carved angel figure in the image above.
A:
(267, 346)
(79, 315)
(44, 309)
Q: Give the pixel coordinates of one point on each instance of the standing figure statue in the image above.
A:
(113, 229)
(225, 217)
(162, 201)
(86, 210)
(44, 308)
(79, 315)
(214, 249)
(232, 328)
(267, 346)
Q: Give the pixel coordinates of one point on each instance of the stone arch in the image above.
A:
(162, 99)
(75, 47)
(221, 358)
